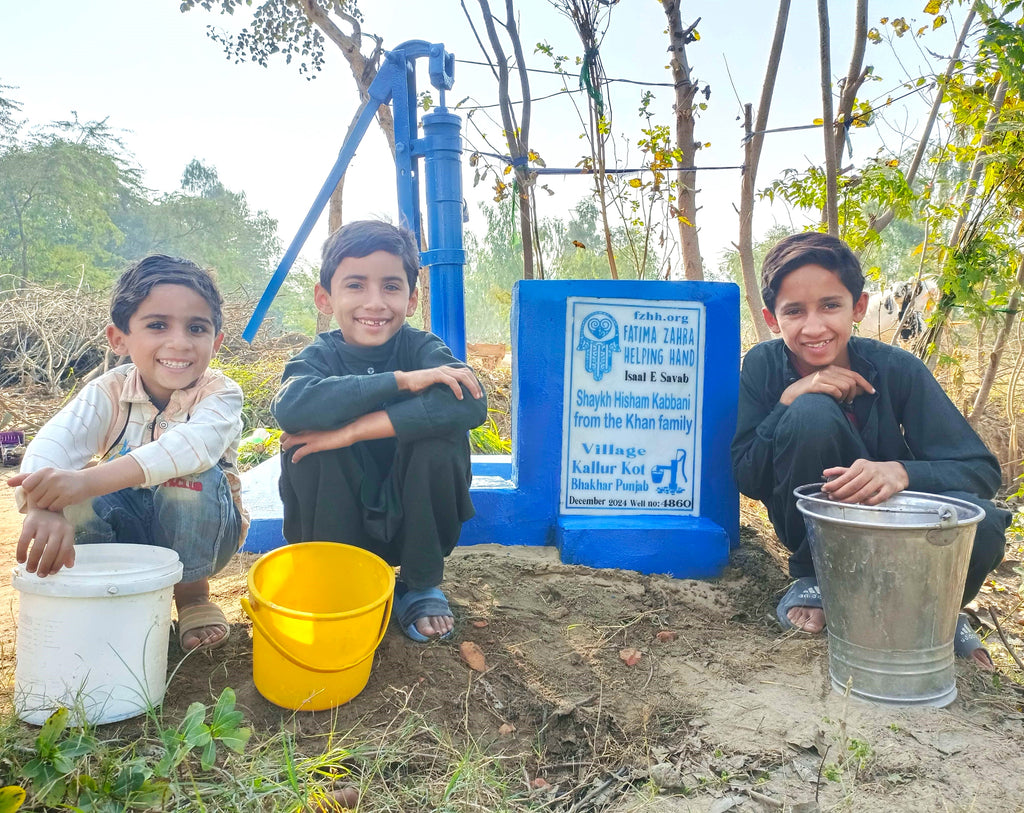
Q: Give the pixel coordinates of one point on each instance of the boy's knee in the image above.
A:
(811, 417)
(990, 534)
(438, 452)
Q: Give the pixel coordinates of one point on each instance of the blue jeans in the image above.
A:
(194, 516)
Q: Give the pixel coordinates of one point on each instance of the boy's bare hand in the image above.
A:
(52, 489)
(866, 481)
(837, 382)
(305, 443)
(54, 545)
(454, 378)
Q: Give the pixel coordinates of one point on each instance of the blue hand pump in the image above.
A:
(441, 149)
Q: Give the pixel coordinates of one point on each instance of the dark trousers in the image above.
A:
(416, 524)
(815, 435)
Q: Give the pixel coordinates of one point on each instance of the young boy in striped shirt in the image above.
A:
(165, 431)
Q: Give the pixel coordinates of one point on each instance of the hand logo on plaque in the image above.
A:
(599, 339)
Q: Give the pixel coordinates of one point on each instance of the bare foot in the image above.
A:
(435, 625)
(808, 619)
(983, 659)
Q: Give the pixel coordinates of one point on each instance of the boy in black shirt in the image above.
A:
(375, 452)
(822, 404)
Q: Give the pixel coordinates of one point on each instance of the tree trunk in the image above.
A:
(686, 190)
(855, 77)
(597, 157)
(23, 245)
(830, 215)
(364, 69)
(997, 351)
(516, 137)
(751, 157)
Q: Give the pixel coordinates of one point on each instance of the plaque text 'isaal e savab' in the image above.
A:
(633, 383)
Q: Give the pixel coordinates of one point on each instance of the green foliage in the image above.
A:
(259, 379)
(12, 797)
(487, 439)
(62, 191)
(278, 28)
(194, 732)
(260, 445)
(56, 757)
(210, 225)
(73, 209)
(69, 767)
(120, 786)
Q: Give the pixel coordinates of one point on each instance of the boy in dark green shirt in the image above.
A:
(822, 404)
(375, 452)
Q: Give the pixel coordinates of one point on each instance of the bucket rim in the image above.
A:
(258, 600)
(105, 569)
(808, 496)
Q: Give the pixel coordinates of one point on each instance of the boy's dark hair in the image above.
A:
(135, 284)
(361, 238)
(809, 248)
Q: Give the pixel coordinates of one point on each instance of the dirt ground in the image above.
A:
(729, 713)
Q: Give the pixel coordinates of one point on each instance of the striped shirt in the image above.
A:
(113, 416)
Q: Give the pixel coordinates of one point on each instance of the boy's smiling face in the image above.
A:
(814, 314)
(171, 339)
(369, 298)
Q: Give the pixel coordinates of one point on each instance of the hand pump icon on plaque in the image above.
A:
(674, 466)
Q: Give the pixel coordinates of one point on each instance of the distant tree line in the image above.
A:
(75, 211)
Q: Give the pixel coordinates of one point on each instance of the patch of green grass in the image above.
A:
(486, 439)
(259, 379)
(209, 761)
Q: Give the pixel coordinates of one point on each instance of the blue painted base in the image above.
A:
(264, 535)
(683, 547)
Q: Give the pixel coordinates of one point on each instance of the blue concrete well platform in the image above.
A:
(624, 406)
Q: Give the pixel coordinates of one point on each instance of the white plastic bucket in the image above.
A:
(93, 638)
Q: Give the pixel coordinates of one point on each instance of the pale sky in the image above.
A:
(154, 74)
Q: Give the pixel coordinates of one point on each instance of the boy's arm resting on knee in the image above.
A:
(312, 397)
(457, 379)
(366, 427)
(436, 410)
(836, 382)
(52, 489)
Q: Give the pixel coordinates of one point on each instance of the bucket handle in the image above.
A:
(259, 625)
(940, 537)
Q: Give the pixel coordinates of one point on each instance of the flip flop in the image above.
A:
(804, 592)
(966, 640)
(197, 616)
(412, 605)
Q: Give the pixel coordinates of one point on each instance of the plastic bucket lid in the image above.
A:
(112, 569)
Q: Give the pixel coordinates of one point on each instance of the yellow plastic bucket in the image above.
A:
(319, 611)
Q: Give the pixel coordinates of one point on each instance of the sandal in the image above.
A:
(804, 592)
(412, 605)
(196, 616)
(966, 641)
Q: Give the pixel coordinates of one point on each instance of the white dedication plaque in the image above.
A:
(634, 380)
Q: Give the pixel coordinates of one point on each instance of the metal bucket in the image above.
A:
(891, 577)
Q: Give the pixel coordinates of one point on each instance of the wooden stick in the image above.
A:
(1002, 637)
